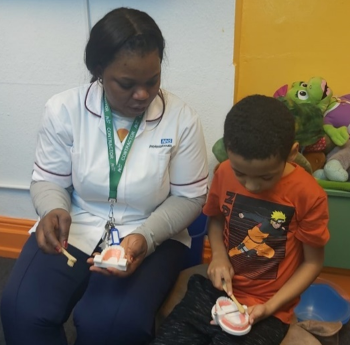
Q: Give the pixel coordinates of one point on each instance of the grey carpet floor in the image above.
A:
(5, 269)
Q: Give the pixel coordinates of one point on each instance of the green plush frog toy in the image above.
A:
(317, 92)
(336, 119)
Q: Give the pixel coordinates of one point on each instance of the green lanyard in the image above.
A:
(116, 169)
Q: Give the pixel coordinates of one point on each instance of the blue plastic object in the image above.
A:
(322, 302)
(197, 231)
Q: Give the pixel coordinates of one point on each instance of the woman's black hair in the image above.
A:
(121, 29)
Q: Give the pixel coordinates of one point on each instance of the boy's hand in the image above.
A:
(220, 269)
(257, 313)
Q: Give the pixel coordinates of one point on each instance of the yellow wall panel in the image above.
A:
(281, 41)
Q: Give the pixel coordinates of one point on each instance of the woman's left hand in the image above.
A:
(135, 247)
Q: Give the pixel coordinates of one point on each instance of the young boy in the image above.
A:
(267, 228)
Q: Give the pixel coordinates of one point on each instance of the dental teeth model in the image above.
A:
(112, 256)
(225, 313)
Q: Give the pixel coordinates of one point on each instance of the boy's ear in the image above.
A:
(293, 152)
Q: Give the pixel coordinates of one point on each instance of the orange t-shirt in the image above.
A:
(264, 232)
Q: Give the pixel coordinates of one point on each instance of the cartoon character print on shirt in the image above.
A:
(256, 235)
(255, 240)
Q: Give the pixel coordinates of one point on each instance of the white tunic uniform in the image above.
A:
(168, 157)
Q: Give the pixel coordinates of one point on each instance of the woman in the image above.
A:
(151, 184)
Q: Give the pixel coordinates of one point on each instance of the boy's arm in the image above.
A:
(302, 278)
(220, 266)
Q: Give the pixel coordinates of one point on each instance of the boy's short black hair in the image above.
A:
(259, 127)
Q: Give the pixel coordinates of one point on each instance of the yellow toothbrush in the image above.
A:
(239, 305)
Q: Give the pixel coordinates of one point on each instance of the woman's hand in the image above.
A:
(221, 269)
(53, 230)
(135, 247)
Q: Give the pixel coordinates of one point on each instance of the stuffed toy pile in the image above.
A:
(336, 124)
(322, 130)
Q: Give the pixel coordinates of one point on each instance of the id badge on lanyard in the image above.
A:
(111, 235)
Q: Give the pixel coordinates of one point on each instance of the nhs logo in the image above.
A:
(166, 141)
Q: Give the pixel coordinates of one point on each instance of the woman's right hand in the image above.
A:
(52, 231)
